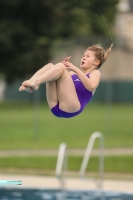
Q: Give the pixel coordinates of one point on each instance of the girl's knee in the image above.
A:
(50, 64)
(60, 66)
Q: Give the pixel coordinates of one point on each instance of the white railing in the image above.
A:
(87, 157)
(61, 166)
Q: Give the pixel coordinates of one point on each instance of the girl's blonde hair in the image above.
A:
(100, 53)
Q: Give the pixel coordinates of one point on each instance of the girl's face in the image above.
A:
(88, 60)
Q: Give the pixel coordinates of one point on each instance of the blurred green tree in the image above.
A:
(29, 28)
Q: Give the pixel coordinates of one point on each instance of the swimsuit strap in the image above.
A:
(88, 74)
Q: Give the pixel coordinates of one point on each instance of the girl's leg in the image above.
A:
(63, 91)
(66, 93)
(51, 93)
(42, 70)
(51, 90)
(38, 73)
(50, 75)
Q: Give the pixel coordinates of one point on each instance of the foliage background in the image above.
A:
(30, 28)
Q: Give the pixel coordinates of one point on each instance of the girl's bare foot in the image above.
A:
(27, 89)
(29, 86)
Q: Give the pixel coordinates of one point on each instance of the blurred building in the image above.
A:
(124, 24)
(119, 66)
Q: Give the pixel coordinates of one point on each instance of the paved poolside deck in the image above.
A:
(74, 152)
(71, 183)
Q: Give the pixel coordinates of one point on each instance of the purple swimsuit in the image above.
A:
(84, 97)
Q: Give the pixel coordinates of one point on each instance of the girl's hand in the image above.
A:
(66, 59)
(70, 66)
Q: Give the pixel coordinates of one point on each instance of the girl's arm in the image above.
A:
(90, 83)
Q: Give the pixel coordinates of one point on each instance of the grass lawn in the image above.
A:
(24, 126)
(114, 164)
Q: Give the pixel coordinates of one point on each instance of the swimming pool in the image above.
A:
(51, 194)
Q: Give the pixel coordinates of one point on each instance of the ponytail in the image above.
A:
(107, 53)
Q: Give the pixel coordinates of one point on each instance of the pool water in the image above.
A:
(43, 194)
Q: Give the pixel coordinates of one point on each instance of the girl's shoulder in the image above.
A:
(95, 73)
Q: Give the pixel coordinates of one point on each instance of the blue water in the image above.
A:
(43, 194)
